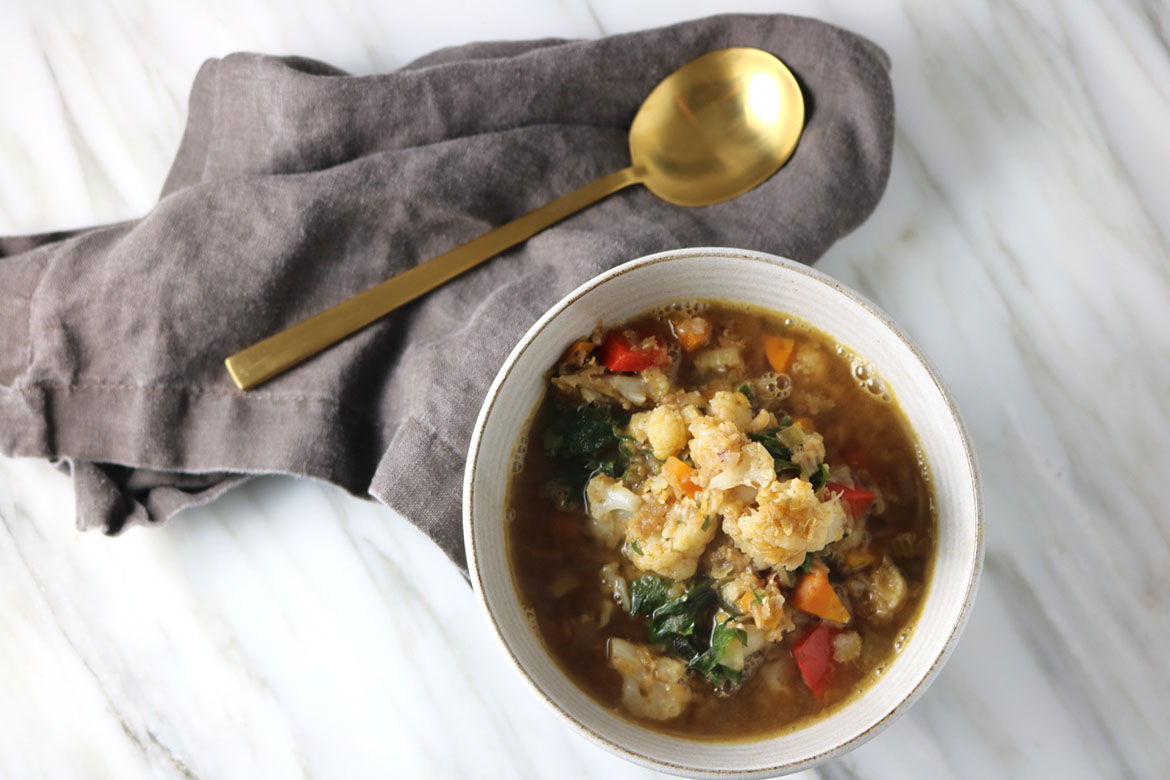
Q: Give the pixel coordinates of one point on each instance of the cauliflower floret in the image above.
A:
(658, 488)
(734, 408)
(809, 361)
(810, 454)
(663, 427)
(668, 538)
(616, 591)
(594, 385)
(732, 467)
(883, 594)
(720, 360)
(658, 384)
(614, 585)
(652, 686)
(762, 422)
(712, 442)
(789, 523)
(751, 467)
(846, 647)
(762, 601)
(725, 560)
(610, 505)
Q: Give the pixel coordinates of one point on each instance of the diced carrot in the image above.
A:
(576, 354)
(682, 475)
(692, 332)
(805, 422)
(815, 595)
(779, 351)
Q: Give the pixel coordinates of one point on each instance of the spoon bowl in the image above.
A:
(717, 127)
(710, 131)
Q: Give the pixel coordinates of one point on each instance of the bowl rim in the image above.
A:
(873, 310)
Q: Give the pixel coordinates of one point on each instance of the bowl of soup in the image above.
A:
(721, 515)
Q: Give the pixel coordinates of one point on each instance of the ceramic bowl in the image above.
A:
(781, 285)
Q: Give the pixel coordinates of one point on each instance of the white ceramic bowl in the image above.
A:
(781, 285)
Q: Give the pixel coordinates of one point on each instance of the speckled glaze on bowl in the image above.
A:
(781, 285)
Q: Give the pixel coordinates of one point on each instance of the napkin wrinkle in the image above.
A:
(481, 51)
(139, 496)
(296, 185)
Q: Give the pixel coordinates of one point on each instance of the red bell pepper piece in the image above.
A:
(814, 657)
(617, 354)
(858, 499)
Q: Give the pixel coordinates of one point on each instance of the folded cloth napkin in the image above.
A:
(296, 186)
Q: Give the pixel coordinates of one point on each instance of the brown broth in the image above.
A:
(555, 563)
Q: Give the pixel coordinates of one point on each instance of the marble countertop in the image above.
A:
(288, 630)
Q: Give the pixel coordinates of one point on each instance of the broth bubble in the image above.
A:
(530, 619)
(518, 455)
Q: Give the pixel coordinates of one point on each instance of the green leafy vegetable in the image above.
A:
(681, 615)
(806, 564)
(581, 432)
(770, 438)
(673, 624)
(586, 440)
(779, 442)
(635, 546)
(782, 466)
(820, 477)
(709, 662)
(607, 467)
(779, 451)
(647, 594)
(746, 389)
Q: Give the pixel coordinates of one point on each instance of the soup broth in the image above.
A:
(720, 521)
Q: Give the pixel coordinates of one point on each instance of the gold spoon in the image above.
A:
(712, 130)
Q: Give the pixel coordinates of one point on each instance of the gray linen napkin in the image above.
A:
(296, 185)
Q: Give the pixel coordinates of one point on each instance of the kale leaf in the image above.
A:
(780, 452)
(820, 477)
(681, 615)
(586, 440)
(673, 623)
(580, 432)
(709, 662)
(647, 594)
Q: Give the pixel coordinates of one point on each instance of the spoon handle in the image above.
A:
(276, 354)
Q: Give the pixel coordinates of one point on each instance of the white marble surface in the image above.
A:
(291, 631)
